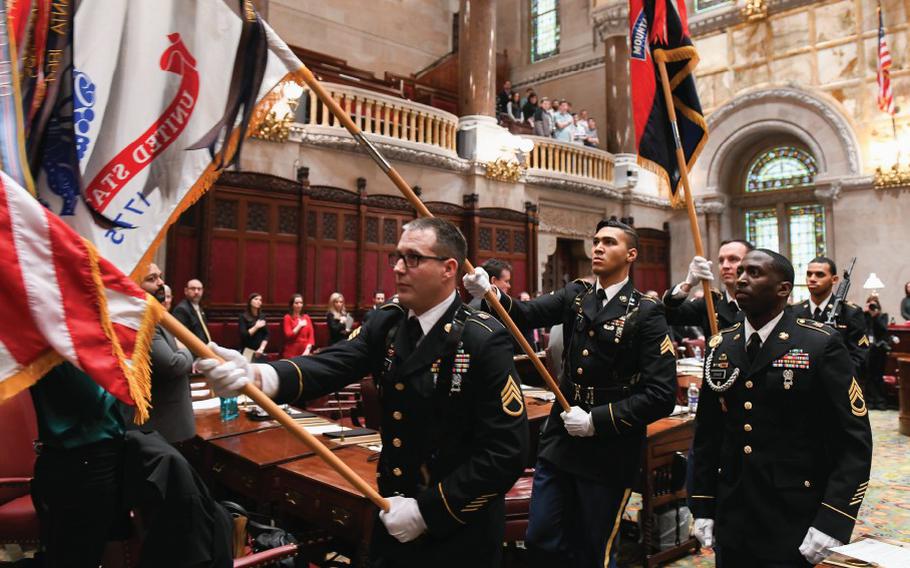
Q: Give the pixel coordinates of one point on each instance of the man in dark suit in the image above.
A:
(783, 446)
(171, 413)
(189, 311)
(695, 312)
(454, 427)
(821, 276)
(619, 375)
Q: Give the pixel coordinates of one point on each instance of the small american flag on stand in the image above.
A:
(61, 301)
(885, 96)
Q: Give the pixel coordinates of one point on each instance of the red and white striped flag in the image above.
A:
(885, 96)
(61, 301)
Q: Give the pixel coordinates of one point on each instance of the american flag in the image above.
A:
(61, 301)
(885, 96)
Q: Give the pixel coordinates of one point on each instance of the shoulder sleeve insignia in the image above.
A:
(857, 401)
(666, 346)
(513, 402)
(863, 341)
(355, 333)
(715, 341)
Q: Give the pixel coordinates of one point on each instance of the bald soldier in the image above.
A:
(454, 427)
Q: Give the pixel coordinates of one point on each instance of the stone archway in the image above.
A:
(791, 113)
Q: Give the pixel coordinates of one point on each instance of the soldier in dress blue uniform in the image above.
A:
(454, 427)
(695, 312)
(821, 276)
(619, 376)
(783, 446)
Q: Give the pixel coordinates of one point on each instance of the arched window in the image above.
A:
(784, 167)
(544, 29)
(779, 208)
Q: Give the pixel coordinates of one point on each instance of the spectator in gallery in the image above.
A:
(338, 319)
(524, 99)
(500, 273)
(503, 98)
(905, 303)
(543, 119)
(167, 297)
(592, 140)
(298, 330)
(254, 332)
(529, 109)
(513, 108)
(564, 123)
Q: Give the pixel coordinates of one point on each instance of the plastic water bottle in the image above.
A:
(697, 351)
(693, 399)
(229, 410)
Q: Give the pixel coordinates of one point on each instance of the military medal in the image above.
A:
(793, 359)
(461, 366)
(434, 369)
(788, 379)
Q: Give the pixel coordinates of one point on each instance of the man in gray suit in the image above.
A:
(172, 406)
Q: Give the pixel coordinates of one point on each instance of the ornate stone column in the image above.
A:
(712, 210)
(479, 136)
(477, 57)
(612, 27)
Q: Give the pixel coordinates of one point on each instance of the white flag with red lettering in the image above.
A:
(151, 78)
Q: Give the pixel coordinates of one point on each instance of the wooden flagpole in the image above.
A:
(305, 75)
(661, 61)
(200, 349)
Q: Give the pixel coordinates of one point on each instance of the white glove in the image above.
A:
(704, 532)
(699, 269)
(403, 519)
(478, 283)
(229, 377)
(578, 422)
(816, 545)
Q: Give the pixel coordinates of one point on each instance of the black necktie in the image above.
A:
(415, 332)
(818, 314)
(601, 297)
(753, 347)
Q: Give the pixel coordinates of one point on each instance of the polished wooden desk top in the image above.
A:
(537, 409)
(267, 447)
(669, 423)
(315, 469)
(210, 427)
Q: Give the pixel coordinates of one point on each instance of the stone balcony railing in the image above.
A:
(374, 113)
(550, 155)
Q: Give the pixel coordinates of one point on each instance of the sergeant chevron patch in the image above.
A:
(666, 346)
(355, 333)
(863, 341)
(513, 402)
(857, 402)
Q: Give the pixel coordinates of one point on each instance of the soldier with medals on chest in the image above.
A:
(454, 427)
(695, 312)
(782, 446)
(619, 375)
(821, 276)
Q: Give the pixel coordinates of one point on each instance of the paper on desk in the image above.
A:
(321, 429)
(207, 403)
(879, 553)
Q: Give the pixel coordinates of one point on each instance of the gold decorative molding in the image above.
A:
(274, 129)
(502, 170)
(895, 177)
(755, 10)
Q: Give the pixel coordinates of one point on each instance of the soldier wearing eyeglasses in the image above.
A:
(619, 374)
(454, 427)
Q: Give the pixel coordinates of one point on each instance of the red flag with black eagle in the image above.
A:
(662, 25)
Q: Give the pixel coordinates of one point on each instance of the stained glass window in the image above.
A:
(705, 5)
(544, 29)
(807, 240)
(783, 167)
(761, 228)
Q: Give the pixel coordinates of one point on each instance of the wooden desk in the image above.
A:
(310, 490)
(244, 463)
(666, 438)
(209, 427)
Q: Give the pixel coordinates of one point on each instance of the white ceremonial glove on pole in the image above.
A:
(816, 546)
(704, 532)
(699, 269)
(229, 377)
(578, 422)
(403, 519)
(478, 283)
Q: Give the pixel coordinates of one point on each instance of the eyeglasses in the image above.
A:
(411, 260)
